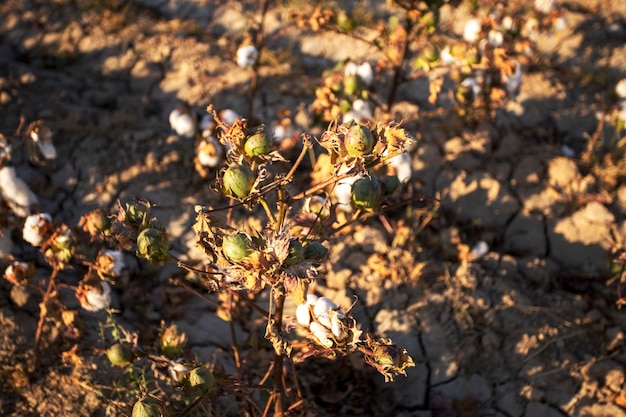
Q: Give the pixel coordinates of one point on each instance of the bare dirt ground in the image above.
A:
(530, 329)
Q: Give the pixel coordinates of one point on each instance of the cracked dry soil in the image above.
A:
(531, 329)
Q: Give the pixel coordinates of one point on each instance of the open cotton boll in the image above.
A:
(472, 83)
(36, 227)
(403, 166)
(472, 30)
(229, 116)
(210, 152)
(544, 6)
(322, 334)
(207, 124)
(303, 315)
(495, 38)
(183, 122)
(480, 249)
(361, 112)
(343, 191)
(118, 261)
(42, 136)
(620, 88)
(364, 71)
(16, 193)
(322, 306)
(97, 299)
(247, 56)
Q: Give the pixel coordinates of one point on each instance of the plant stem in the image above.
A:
(43, 312)
(278, 360)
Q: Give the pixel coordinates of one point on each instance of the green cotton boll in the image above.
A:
(366, 193)
(359, 141)
(315, 250)
(238, 181)
(153, 244)
(259, 144)
(120, 354)
(236, 247)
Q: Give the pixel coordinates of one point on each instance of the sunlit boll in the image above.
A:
(364, 71)
(495, 38)
(42, 136)
(97, 299)
(472, 30)
(36, 228)
(544, 6)
(247, 56)
(402, 164)
(183, 122)
(620, 88)
(210, 152)
(15, 193)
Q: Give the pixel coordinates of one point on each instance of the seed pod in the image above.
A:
(236, 247)
(120, 354)
(147, 407)
(258, 144)
(390, 183)
(152, 244)
(238, 180)
(201, 381)
(359, 141)
(366, 193)
(296, 252)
